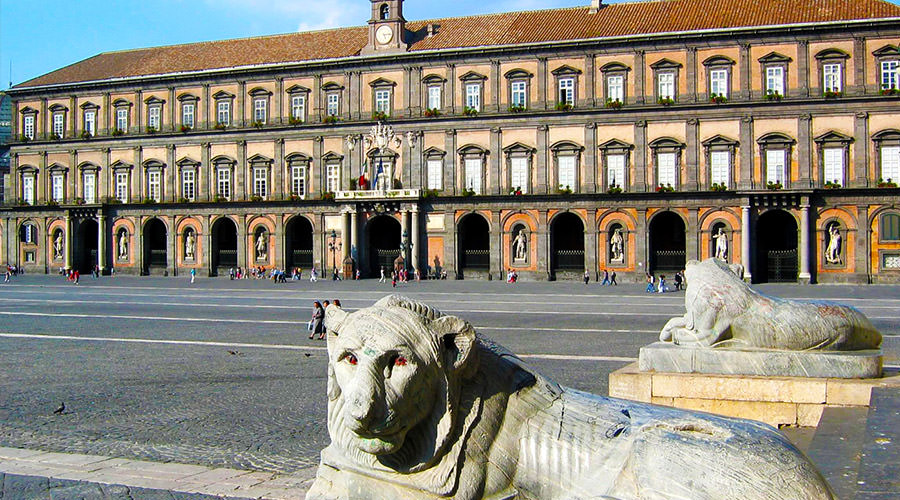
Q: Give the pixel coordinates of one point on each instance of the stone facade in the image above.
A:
(771, 135)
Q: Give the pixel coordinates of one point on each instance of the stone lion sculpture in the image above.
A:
(723, 311)
(422, 407)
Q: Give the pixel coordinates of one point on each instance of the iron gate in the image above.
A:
(571, 260)
(782, 266)
(476, 259)
(669, 260)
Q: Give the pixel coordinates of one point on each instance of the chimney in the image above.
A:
(432, 29)
(595, 6)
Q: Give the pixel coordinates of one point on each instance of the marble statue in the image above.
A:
(58, 246)
(189, 245)
(723, 311)
(833, 251)
(261, 246)
(617, 246)
(520, 246)
(721, 244)
(420, 406)
(123, 245)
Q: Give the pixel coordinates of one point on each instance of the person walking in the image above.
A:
(678, 281)
(605, 277)
(662, 284)
(612, 279)
(650, 287)
(313, 275)
(381, 280)
(317, 325)
(193, 274)
(587, 276)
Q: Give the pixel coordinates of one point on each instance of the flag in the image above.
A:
(378, 176)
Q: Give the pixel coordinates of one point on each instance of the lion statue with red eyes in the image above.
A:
(422, 407)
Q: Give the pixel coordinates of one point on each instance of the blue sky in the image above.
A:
(39, 36)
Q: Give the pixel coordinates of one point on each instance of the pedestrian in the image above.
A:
(605, 277)
(231, 274)
(193, 274)
(381, 280)
(75, 275)
(313, 275)
(612, 279)
(650, 287)
(337, 302)
(394, 279)
(662, 284)
(357, 275)
(587, 277)
(8, 274)
(678, 281)
(317, 325)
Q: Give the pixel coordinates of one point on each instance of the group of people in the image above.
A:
(661, 286)
(13, 271)
(316, 325)
(512, 276)
(400, 275)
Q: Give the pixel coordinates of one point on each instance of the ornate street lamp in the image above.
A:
(334, 246)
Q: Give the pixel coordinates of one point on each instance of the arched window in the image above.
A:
(385, 12)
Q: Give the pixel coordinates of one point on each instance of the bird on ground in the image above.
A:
(307, 354)
(61, 409)
(236, 353)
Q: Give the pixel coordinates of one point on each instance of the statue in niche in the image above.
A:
(617, 246)
(261, 246)
(520, 246)
(721, 240)
(123, 245)
(189, 245)
(421, 406)
(833, 250)
(58, 246)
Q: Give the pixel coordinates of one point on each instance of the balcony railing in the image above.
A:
(378, 194)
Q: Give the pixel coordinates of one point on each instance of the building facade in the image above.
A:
(628, 137)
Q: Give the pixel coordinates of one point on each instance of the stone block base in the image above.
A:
(778, 401)
(667, 357)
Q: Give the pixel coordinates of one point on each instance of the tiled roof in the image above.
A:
(621, 19)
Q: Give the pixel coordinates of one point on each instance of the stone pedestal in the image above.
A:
(667, 357)
(777, 401)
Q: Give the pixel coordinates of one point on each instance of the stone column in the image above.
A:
(206, 106)
(804, 152)
(589, 85)
(590, 243)
(169, 174)
(495, 86)
(692, 154)
(279, 99)
(451, 88)
(744, 70)
(859, 171)
(172, 106)
(639, 77)
(72, 185)
(639, 179)
(745, 242)
(345, 238)
(450, 184)
(242, 241)
(241, 112)
(171, 257)
(72, 129)
(354, 236)
(240, 171)
(540, 186)
(414, 231)
(692, 252)
(404, 240)
(863, 235)
(67, 257)
(746, 152)
(207, 244)
(496, 246)
(137, 176)
(804, 276)
(589, 179)
(803, 68)
(205, 175)
(494, 160)
(137, 250)
(101, 242)
(543, 244)
(277, 191)
(279, 246)
(541, 84)
(641, 251)
(859, 56)
(316, 172)
(691, 74)
(450, 263)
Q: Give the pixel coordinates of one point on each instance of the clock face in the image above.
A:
(384, 34)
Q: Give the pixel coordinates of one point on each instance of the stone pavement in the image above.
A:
(32, 474)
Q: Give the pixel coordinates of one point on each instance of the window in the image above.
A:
(566, 174)
(29, 234)
(720, 167)
(188, 184)
(434, 97)
(775, 166)
(261, 182)
(615, 170)
(666, 169)
(90, 122)
(383, 101)
(58, 187)
(223, 182)
(890, 163)
(28, 188)
(122, 186)
(435, 169)
(333, 104)
(615, 88)
(718, 82)
(122, 119)
(153, 117)
(666, 85)
(259, 110)
(332, 176)
(28, 127)
(59, 124)
(298, 107)
(890, 261)
(154, 187)
(775, 80)
(831, 77)
(298, 180)
(519, 96)
(473, 174)
(518, 173)
(89, 186)
(890, 227)
(833, 165)
(889, 72)
(566, 88)
(473, 96)
(187, 115)
(223, 112)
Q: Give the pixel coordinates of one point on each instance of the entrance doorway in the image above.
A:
(224, 247)
(154, 243)
(474, 244)
(383, 235)
(667, 243)
(776, 248)
(86, 246)
(567, 244)
(299, 244)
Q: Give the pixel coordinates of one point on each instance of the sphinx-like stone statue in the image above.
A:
(420, 406)
(723, 311)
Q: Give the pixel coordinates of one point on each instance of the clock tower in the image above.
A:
(387, 28)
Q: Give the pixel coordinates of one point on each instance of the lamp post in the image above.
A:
(405, 245)
(334, 246)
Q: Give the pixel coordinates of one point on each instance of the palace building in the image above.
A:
(629, 137)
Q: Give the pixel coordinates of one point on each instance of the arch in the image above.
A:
(298, 244)
(383, 237)
(153, 241)
(515, 216)
(566, 243)
(473, 234)
(224, 244)
(568, 146)
(667, 242)
(832, 53)
(846, 216)
(717, 214)
(86, 245)
(606, 218)
(776, 247)
(384, 12)
(718, 60)
(614, 66)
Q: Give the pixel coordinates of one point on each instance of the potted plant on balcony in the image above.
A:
(773, 95)
(219, 126)
(892, 90)
(330, 120)
(79, 201)
(665, 188)
(516, 108)
(151, 130)
(328, 196)
(516, 191)
(832, 94)
(774, 186)
(379, 116)
(665, 101)
(295, 121)
(563, 106)
(117, 132)
(432, 112)
(614, 189)
(718, 98)
(564, 190)
(886, 183)
(184, 129)
(716, 187)
(613, 103)
(467, 192)
(470, 111)
(832, 184)
(86, 134)
(258, 124)
(55, 137)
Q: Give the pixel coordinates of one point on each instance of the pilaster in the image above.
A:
(589, 179)
(590, 86)
(747, 148)
(494, 158)
(590, 243)
(240, 185)
(692, 243)
(540, 186)
(863, 235)
(744, 62)
(204, 174)
(279, 101)
(804, 276)
(746, 256)
(639, 179)
(804, 151)
(169, 174)
(450, 184)
(279, 188)
(859, 165)
(691, 74)
(803, 68)
(639, 65)
(541, 84)
(692, 154)
(859, 66)
(543, 244)
(241, 99)
(495, 86)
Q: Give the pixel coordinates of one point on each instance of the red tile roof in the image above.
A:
(621, 19)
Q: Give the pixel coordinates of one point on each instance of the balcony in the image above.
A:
(378, 194)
